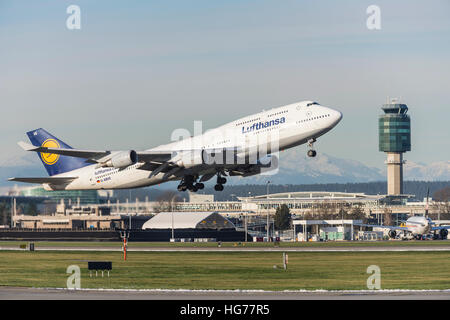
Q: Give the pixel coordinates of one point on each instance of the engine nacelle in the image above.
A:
(47, 187)
(53, 187)
(253, 170)
(267, 165)
(122, 159)
(392, 234)
(188, 159)
(443, 233)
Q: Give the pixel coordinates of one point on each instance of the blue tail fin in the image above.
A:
(54, 163)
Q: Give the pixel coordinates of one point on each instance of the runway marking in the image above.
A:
(379, 291)
(198, 294)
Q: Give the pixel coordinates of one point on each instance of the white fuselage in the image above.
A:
(286, 126)
(418, 225)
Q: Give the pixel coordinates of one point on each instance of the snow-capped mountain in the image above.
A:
(297, 168)
(432, 172)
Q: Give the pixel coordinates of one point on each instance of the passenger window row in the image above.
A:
(277, 113)
(248, 121)
(314, 118)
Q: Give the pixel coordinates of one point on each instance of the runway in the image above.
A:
(13, 293)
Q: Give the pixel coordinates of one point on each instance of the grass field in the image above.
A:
(230, 270)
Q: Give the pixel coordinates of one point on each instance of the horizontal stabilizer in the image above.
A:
(381, 226)
(53, 180)
(87, 154)
(26, 146)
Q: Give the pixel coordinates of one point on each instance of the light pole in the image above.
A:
(173, 236)
(267, 199)
(171, 209)
(231, 206)
(245, 217)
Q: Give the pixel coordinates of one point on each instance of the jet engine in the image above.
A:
(122, 159)
(269, 164)
(188, 159)
(443, 233)
(392, 234)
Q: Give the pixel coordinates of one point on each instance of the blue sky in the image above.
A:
(138, 70)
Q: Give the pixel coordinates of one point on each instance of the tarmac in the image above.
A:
(14, 293)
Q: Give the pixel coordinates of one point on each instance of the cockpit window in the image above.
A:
(311, 104)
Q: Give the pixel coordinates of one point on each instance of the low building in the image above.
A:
(190, 226)
(75, 221)
(325, 230)
(188, 220)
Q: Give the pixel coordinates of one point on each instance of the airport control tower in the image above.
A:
(394, 139)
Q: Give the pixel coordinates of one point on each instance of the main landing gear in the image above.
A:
(189, 183)
(311, 153)
(220, 182)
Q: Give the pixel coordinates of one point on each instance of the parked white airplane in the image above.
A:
(236, 148)
(413, 227)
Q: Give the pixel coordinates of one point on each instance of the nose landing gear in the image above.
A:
(311, 153)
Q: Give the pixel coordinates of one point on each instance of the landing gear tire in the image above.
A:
(221, 180)
(392, 234)
(190, 185)
(312, 153)
(200, 186)
(187, 183)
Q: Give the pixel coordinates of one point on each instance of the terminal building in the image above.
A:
(310, 202)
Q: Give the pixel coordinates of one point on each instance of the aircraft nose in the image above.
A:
(336, 116)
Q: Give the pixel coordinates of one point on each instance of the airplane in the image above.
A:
(250, 142)
(414, 227)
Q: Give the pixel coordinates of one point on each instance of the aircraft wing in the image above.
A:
(97, 155)
(440, 228)
(54, 180)
(381, 226)
(156, 161)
